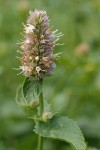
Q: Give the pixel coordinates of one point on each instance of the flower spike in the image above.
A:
(37, 48)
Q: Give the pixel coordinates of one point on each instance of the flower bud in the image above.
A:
(47, 116)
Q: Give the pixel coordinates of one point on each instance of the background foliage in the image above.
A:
(74, 90)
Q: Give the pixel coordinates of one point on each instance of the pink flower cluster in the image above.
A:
(38, 46)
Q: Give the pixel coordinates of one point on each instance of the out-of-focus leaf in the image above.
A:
(19, 97)
(92, 148)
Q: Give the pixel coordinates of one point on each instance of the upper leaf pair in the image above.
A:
(27, 95)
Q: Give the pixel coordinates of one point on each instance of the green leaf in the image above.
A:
(62, 128)
(31, 89)
(29, 108)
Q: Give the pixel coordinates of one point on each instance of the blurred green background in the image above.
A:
(74, 90)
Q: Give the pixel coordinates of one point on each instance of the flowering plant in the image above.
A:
(37, 58)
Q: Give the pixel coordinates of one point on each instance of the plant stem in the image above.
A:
(40, 139)
(41, 104)
(40, 143)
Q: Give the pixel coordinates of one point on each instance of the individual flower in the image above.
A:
(38, 46)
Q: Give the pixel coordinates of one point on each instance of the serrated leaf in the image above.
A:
(31, 89)
(62, 128)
